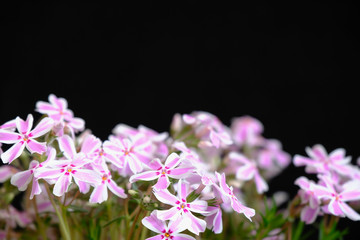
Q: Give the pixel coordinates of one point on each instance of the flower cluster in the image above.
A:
(193, 181)
(337, 183)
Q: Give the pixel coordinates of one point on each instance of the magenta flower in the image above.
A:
(167, 232)
(181, 208)
(337, 200)
(57, 109)
(322, 162)
(133, 152)
(227, 195)
(162, 172)
(25, 138)
(64, 170)
(247, 130)
(22, 179)
(100, 192)
(248, 170)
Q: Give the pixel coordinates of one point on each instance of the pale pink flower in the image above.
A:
(99, 153)
(227, 195)
(64, 170)
(14, 217)
(181, 208)
(22, 179)
(132, 152)
(162, 172)
(100, 192)
(25, 137)
(322, 162)
(337, 199)
(247, 130)
(248, 169)
(57, 109)
(272, 154)
(211, 131)
(170, 231)
(312, 209)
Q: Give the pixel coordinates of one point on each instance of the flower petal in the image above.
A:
(62, 185)
(349, 212)
(99, 194)
(144, 176)
(197, 225)
(181, 236)
(198, 206)
(9, 137)
(166, 197)
(153, 223)
(48, 173)
(171, 213)
(308, 214)
(24, 127)
(35, 146)
(118, 191)
(179, 172)
(88, 176)
(12, 153)
(172, 160)
(67, 145)
(43, 127)
(22, 179)
(162, 183)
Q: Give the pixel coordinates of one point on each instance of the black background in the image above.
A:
(292, 66)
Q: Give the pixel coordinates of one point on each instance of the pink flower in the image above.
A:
(99, 153)
(209, 129)
(167, 232)
(25, 138)
(58, 110)
(22, 179)
(181, 208)
(162, 172)
(100, 192)
(6, 172)
(272, 154)
(248, 170)
(337, 199)
(247, 130)
(133, 152)
(322, 162)
(64, 170)
(227, 195)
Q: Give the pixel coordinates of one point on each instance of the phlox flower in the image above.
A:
(337, 199)
(272, 154)
(99, 153)
(311, 210)
(247, 170)
(100, 192)
(181, 208)
(170, 231)
(14, 217)
(132, 152)
(22, 179)
(227, 195)
(64, 170)
(209, 129)
(6, 172)
(57, 109)
(162, 172)
(247, 130)
(25, 138)
(322, 162)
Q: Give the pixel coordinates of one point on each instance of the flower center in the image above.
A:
(104, 178)
(69, 170)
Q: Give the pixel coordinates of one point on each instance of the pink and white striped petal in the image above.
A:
(172, 160)
(144, 176)
(35, 146)
(198, 206)
(197, 225)
(178, 173)
(99, 194)
(166, 197)
(114, 188)
(349, 212)
(9, 137)
(169, 214)
(162, 183)
(12, 153)
(67, 145)
(43, 127)
(62, 184)
(24, 127)
(88, 176)
(22, 179)
(153, 223)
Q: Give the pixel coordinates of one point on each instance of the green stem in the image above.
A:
(133, 225)
(64, 230)
(38, 220)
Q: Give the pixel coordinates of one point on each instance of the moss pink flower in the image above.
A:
(162, 172)
(170, 231)
(25, 138)
(182, 208)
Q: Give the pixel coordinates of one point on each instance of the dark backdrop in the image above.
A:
(289, 65)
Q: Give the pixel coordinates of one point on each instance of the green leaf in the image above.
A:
(118, 219)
